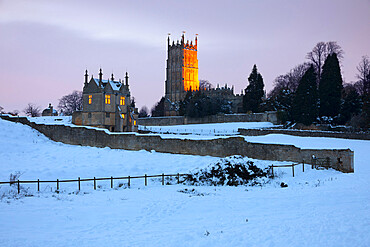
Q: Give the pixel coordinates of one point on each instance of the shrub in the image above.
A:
(231, 171)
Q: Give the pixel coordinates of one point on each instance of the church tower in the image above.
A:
(182, 70)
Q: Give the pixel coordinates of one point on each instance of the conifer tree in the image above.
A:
(158, 108)
(305, 101)
(330, 87)
(254, 92)
(351, 104)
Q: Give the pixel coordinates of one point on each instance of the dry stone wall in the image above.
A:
(220, 147)
(309, 133)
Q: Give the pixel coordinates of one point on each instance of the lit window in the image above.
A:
(123, 116)
(122, 101)
(107, 99)
(134, 122)
(90, 99)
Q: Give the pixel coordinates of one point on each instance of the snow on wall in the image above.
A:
(341, 159)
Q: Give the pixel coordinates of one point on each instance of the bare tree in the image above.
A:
(321, 51)
(143, 112)
(290, 80)
(333, 47)
(70, 103)
(363, 83)
(205, 84)
(32, 110)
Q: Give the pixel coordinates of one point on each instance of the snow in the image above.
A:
(116, 85)
(319, 207)
(207, 129)
(65, 120)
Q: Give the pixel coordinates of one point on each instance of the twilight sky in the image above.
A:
(45, 46)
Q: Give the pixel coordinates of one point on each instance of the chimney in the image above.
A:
(51, 109)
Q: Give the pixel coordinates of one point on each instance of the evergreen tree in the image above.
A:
(304, 108)
(254, 92)
(330, 87)
(158, 109)
(351, 104)
(282, 102)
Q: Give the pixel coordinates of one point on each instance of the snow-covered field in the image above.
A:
(319, 208)
(207, 129)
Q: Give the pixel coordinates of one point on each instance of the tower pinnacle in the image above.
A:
(126, 79)
(86, 77)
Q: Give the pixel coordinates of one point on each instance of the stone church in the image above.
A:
(107, 104)
(182, 76)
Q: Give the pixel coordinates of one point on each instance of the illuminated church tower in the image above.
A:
(181, 72)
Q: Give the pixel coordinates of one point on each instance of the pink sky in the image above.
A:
(45, 46)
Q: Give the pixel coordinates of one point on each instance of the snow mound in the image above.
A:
(231, 171)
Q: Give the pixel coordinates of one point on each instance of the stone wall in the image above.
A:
(219, 118)
(309, 133)
(220, 147)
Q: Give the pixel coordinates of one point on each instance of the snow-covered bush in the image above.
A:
(232, 171)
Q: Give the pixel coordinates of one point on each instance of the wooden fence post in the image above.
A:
(79, 183)
(293, 169)
(272, 170)
(146, 183)
(38, 184)
(19, 189)
(303, 166)
(162, 178)
(178, 178)
(57, 184)
(128, 181)
(111, 182)
(94, 183)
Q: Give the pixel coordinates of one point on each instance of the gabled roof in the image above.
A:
(116, 85)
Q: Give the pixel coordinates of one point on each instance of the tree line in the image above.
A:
(314, 92)
(311, 92)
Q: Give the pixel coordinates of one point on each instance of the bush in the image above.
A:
(231, 171)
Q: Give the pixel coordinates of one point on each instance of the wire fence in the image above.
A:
(58, 182)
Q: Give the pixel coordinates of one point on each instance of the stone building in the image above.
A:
(181, 72)
(182, 76)
(50, 111)
(227, 93)
(107, 104)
